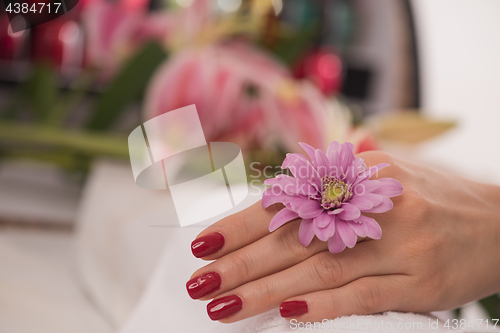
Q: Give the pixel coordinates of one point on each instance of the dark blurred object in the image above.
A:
(375, 41)
(380, 55)
(357, 83)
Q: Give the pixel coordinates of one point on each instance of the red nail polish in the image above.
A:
(293, 309)
(224, 307)
(207, 245)
(203, 285)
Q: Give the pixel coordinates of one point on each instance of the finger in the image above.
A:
(367, 295)
(320, 272)
(234, 232)
(270, 254)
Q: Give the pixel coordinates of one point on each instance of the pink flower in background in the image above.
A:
(11, 44)
(116, 30)
(324, 68)
(241, 93)
(330, 192)
(239, 90)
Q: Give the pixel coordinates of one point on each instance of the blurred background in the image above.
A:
(416, 78)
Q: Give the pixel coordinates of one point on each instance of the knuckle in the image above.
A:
(241, 266)
(384, 157)
(368, 297)
(432, 289)
(328, 270)
(430, 244)
(269, 212)
(290, 243)
(414, 205)
(269, 292)
(241, 226)
(377, 156)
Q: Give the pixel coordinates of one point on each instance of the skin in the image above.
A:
(439, 250)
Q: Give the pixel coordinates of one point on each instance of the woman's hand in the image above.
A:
(439, 250)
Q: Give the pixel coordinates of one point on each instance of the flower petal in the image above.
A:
(332, 147)
(359, 165)
(336, 211)
(291, 160)
(310, 209)
(348, 236)
(366, 186)
(361, 202)
(385, 206)
(349, 174)
(352, 171)
(272, 196)
(336, 244)
(389, 187)
(376, 199)
(371, 171)
(325, 233)
(301, 189)
(373, 228)
(322, 163)
(295, 202)
(291, 185)
(280, 180)
(346, 155)
(309, 150)
(306, 232)
(323, 220)
(335, 170)
(302, 169)
(283, 216)
(359, 228)
(350, 212)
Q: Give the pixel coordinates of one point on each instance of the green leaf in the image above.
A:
(10, 110)
(70, 99)
(41, 91)
(126, 87)
(294, 44)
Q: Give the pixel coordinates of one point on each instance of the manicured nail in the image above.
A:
(207, 245)
(293, 309)
(224, 307)
(203, 285)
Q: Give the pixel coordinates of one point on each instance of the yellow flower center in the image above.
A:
(334, 192)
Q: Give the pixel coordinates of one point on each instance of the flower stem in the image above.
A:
(83, 142)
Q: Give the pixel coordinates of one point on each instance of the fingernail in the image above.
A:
(293, 308)
(203, 285)
(224, 307)
(207, 245)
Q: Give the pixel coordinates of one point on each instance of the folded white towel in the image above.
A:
(271, 322)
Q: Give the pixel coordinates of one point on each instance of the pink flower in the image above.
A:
(217, 78)
(330, 192)
(116, 30)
